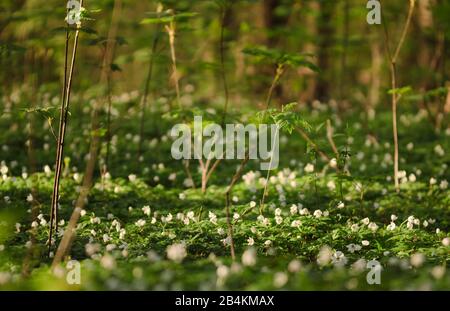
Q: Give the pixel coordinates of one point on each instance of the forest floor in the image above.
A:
(144, 229)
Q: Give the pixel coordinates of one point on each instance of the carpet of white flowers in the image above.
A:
(145, 228)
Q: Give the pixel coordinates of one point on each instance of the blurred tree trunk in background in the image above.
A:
(344, 54)
(310, 23)
(376, 73)
(424, 55)
(325, 41)
(272, 24)
(272, 21)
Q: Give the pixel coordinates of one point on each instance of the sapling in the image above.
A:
(64, 113)
(169, 19)
(393, 58)
(69, 234)
(282, 61)
(224, 7)
(285, 120)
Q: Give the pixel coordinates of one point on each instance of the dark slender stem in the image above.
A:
(68, 77)
(146, 90)
(222, 63)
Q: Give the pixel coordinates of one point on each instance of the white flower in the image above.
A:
(252, 204)
(438, 272)
(106, 238)
(140, 223)
(222, 271)
(394, 217)
(296, 223)
(333, 163)
(433, 181)
(324, 256)
(417, 260)
(412, 178)
(47, 170)
(331, 185)
(111, 247)
(439, 150)
(167, 219)
(365, 221)
(176, 252)
(4, 169)
(410, 146)
(280, 279)
(18, 225)
(236, 216)
(353, 248)
(182, 196)
(122, 233)
(339, 259)
(294, 209)
(250, 241)
(132, 178)
(446, 241)
(30, 198)
(190, 215)
(309, 168)
(294, 266)
(221, 231)
(365, 243)
(172, 176)
(268, 243)
(304, 211)
(317, 213)
(278, 212)
(354, 227)
(146, 209)
(373, 226)
(340, 205)
(212, 218)
(2, 248)
(95, 220)
(249, 257)
(391, 226)
(278, 220)
(443, 185)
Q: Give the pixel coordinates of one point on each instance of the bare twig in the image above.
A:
(330, 139)
(393, 68)
(147, 84)
(175, 76)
